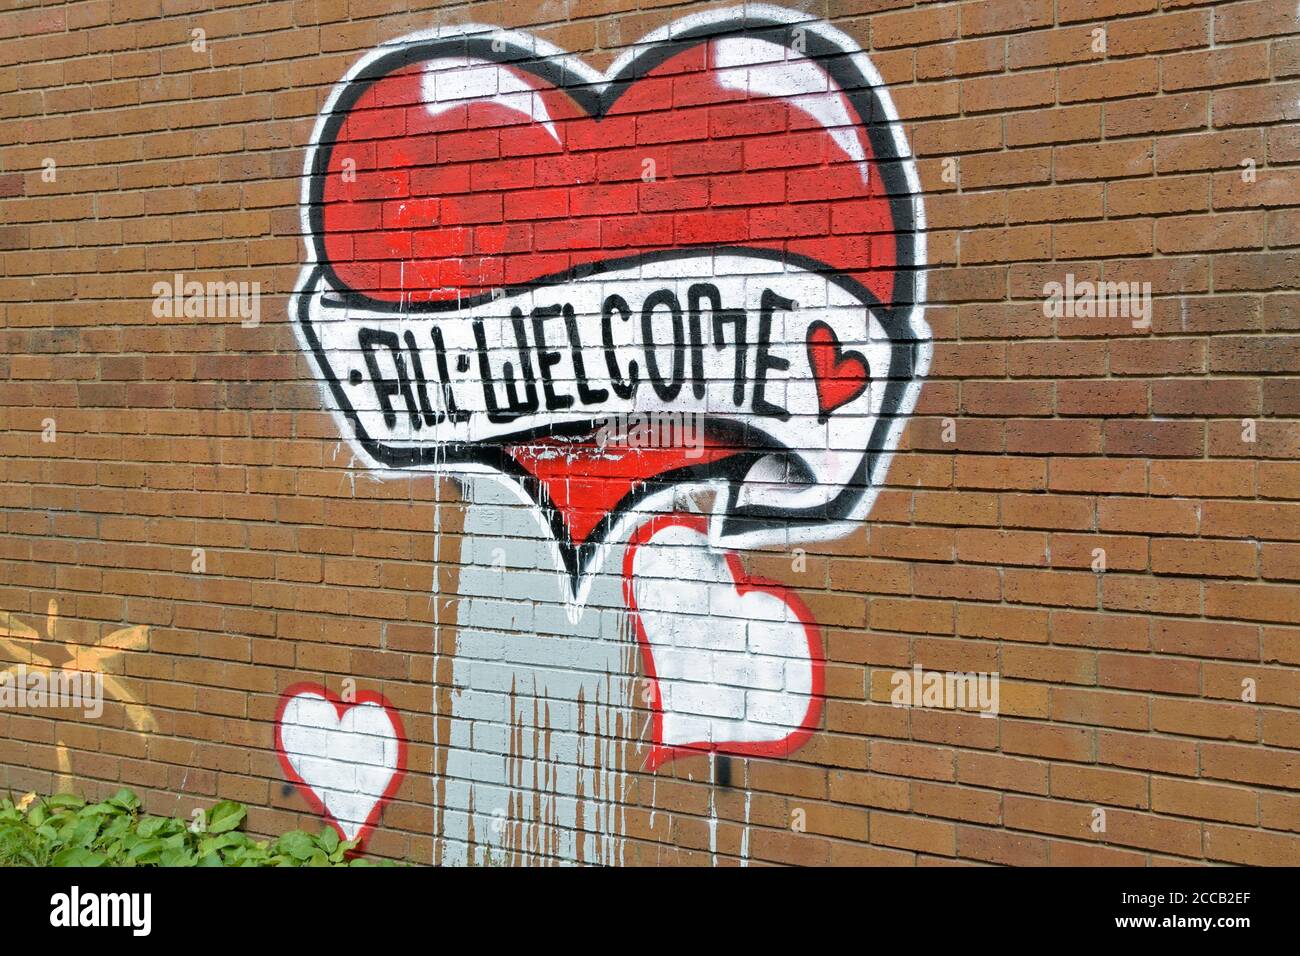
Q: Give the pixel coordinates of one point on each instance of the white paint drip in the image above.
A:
(713, 808)
(519, 670)
(744, 833)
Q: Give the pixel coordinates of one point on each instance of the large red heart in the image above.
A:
(735, 662)
(448, 177)
(463, 179)
(842, 375)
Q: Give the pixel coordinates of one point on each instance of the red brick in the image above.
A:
(1169, 159)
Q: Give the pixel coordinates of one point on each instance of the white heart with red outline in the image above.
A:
(736, 663)
(347, 758)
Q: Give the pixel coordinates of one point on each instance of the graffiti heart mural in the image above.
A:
(507, 251)
(346, 757)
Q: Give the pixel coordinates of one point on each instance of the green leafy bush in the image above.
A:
(65, 830)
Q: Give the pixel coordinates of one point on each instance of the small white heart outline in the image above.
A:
(341, 707)
(661, 753)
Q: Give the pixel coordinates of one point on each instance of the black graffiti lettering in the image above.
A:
(586, 394)
(548, 358)
(454, 413)
(431, 417)
(764, 361)
(528, 405)
(386, 388)
(667, 391)
(533, 379)
(623, 388)
(515, 407)
(694, 295)
(485, 370)
(738, 319)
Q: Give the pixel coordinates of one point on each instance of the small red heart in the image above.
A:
(841, 374)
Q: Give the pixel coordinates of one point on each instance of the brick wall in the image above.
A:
(1099, 509)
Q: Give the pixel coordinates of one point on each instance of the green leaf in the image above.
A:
(77, 856)
(296, 844)
(226, 816)
(146, 851)
(214, 843)
(86, 830)
(125, 799)
(115, 832)
(176, 857)
(329, 839)
(151, 826)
